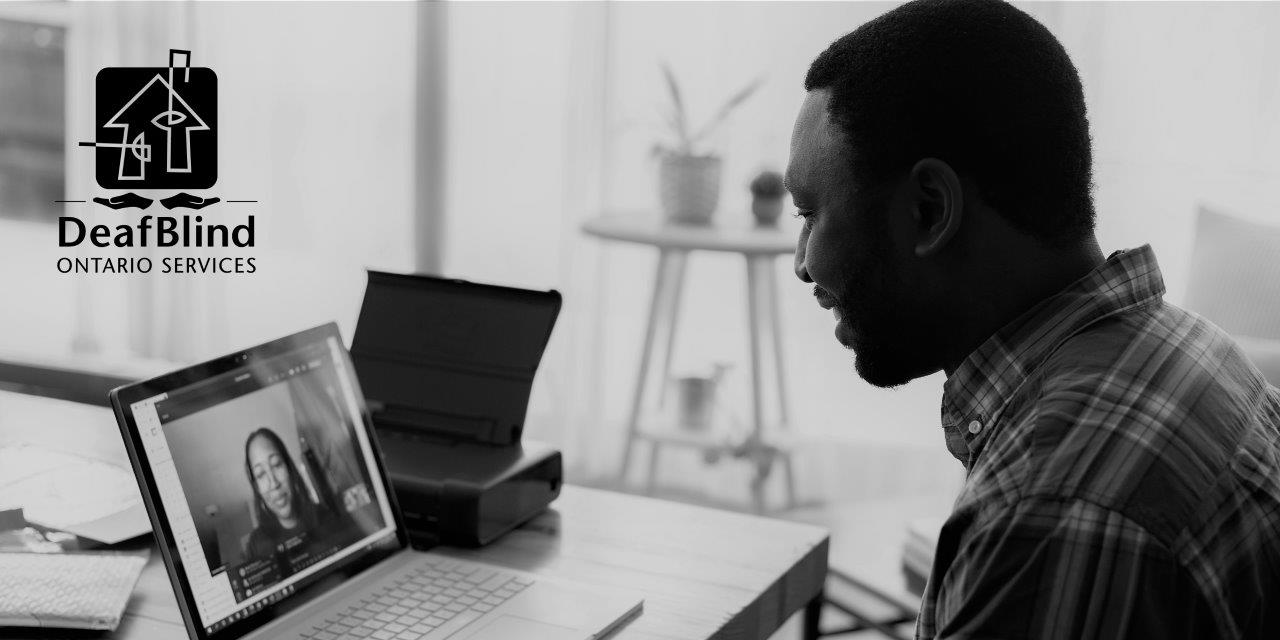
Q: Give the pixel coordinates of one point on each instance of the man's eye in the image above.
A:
(803, 213)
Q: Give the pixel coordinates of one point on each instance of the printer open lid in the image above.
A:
(450, 358)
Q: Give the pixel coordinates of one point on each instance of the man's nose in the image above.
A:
(802, 271)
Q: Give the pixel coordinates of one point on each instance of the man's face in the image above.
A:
(847, 250)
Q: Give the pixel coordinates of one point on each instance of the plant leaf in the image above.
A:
(733, 103)
(673, 121)
(681, 118)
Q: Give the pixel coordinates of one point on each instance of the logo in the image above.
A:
(157, 127)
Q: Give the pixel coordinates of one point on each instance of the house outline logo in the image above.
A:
(156, 126)
(156, 130)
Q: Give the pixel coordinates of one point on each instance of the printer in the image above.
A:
(446, 367)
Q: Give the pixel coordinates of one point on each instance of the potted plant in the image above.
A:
(688, 176)
(767, 191)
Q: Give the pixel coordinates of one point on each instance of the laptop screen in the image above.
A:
(266, 477)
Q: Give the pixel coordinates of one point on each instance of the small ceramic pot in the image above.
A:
(695, 400)
(766, 210)
(689, 188)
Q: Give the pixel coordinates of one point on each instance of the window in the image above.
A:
(32, 119)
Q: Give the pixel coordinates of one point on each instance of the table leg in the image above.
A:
(790, 479)
(662, 286)
(770, 275)
(755, 312)
(756, 296)
(655, 449)
(678, 261)
(811, 628)
(775, 327)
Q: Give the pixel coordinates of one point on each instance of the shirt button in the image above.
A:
(975, 427)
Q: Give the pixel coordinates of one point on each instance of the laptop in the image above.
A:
(273, 513)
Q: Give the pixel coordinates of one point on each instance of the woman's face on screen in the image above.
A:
(271, 475)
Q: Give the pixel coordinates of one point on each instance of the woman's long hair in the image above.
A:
(303, 508)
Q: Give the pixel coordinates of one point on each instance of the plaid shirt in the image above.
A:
(1123, 462)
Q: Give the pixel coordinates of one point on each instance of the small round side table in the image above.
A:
(760, 246)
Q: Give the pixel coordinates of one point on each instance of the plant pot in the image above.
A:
(695, 402)
(766, 210)
(689, 188)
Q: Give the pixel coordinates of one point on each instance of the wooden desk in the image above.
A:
(703, 573)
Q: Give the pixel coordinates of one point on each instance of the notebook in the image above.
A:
(66, 590)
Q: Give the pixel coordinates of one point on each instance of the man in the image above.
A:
(1122, 455)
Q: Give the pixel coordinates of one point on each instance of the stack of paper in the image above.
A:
(59, 490)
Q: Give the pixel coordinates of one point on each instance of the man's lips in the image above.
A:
(828, 301)
(824, 299)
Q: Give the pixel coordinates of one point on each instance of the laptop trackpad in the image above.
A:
(507, 627)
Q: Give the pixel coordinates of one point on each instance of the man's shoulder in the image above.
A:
(1143, 413)
(1158, 365)
(1149, 428)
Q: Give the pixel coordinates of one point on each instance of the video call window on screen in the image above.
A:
(270, 466)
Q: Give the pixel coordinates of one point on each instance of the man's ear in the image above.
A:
(937, 205)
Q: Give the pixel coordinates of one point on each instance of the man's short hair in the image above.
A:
(978, 84)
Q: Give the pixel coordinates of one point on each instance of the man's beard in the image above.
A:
(878, 322)
(881, 337)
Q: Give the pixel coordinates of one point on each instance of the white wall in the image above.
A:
(1184, 102)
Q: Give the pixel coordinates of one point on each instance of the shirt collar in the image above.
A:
(976, 392)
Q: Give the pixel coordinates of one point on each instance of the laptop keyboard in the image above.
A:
(422, 601)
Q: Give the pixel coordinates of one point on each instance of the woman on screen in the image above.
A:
(291, 527)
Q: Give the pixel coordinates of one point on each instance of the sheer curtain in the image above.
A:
(131, 35)
(316, 127)
(525, 166)
(49, 314)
